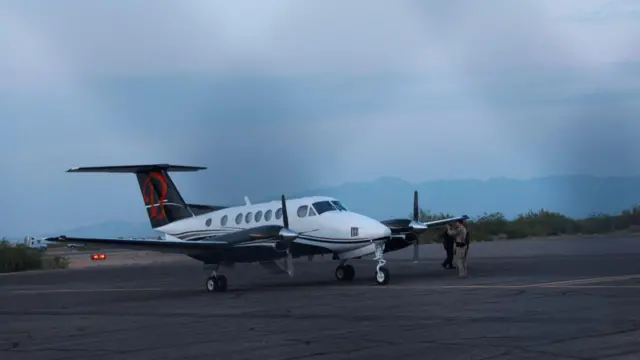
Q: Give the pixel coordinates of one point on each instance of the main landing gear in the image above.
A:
(215, 282)
(345, 272)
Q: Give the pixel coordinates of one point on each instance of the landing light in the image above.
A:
(98, 256)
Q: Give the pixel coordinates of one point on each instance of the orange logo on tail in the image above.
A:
(157, 205)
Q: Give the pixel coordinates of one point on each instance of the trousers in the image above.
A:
(461, 259)
(448, 247)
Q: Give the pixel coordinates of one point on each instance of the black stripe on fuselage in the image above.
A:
(216, 232)
(303, 237)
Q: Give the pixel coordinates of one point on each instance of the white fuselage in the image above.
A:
(321, 221)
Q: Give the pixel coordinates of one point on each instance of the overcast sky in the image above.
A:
(284, 95)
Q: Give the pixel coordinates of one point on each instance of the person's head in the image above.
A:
(460, 223)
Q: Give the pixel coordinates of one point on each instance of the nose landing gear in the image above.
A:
(382, 273)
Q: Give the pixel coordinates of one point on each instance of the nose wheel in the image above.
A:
(382, 276)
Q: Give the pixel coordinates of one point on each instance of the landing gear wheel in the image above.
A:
(222, 283)
(212, 283)
(382, 276)
(216, 283)
(345, 272)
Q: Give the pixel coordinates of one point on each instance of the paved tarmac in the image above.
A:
(557, 299)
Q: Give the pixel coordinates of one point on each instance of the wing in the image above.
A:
(436, 223)
(400, 226)
(269, 234)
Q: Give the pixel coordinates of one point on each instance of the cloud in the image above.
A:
(288, 95)
(289, 37)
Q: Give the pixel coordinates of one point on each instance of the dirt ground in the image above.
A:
(119, 258)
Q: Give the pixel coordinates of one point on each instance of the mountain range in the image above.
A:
(388, 197)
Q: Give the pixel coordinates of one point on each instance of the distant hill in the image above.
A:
(576, 196)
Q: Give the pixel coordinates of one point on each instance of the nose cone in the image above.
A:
(371, 228)
(384, 230)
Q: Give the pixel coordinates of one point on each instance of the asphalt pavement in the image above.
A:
(540, 299)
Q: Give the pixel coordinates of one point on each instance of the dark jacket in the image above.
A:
(447, 240)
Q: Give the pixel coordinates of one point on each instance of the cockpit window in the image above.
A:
(302, 211)
(322, 207)
(339, 205)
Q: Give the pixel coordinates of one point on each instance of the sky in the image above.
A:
(283, 95)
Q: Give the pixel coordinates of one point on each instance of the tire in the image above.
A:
(212, 284)
(341, 272)
(349, 272)
(382, 276)
(221, 283)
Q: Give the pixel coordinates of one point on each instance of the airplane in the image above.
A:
(261, 233)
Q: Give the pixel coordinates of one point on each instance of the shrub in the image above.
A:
(543, 223)
(18, 258)
(21, 258)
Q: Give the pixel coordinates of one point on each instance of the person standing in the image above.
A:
(447, 243)
(459, 233)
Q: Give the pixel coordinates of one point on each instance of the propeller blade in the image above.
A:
(285, 215)
(287, 236)
(417, 226)
(288, 264)
(416, 208)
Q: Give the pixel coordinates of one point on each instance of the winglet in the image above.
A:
(246, 201)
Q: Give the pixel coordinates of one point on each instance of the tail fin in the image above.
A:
(161, 196)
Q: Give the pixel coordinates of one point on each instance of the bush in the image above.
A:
(542, 223)
(21, 258)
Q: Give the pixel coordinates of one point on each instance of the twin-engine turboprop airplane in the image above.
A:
(263, 233)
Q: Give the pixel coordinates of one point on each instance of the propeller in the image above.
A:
(415, 223)
(287, 236)
(417, 227)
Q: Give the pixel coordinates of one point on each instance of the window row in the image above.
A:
(303, 211)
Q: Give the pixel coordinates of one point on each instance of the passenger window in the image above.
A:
(302, 211)
(247, 218)
(312, 212)
(239, 218)
(223, 221)
(278, 214)
(258, 216)
(208, 222)
(267, 215)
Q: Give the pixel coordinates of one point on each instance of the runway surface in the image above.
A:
(558, 299)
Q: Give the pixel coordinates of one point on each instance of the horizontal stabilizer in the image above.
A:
(134, 169)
